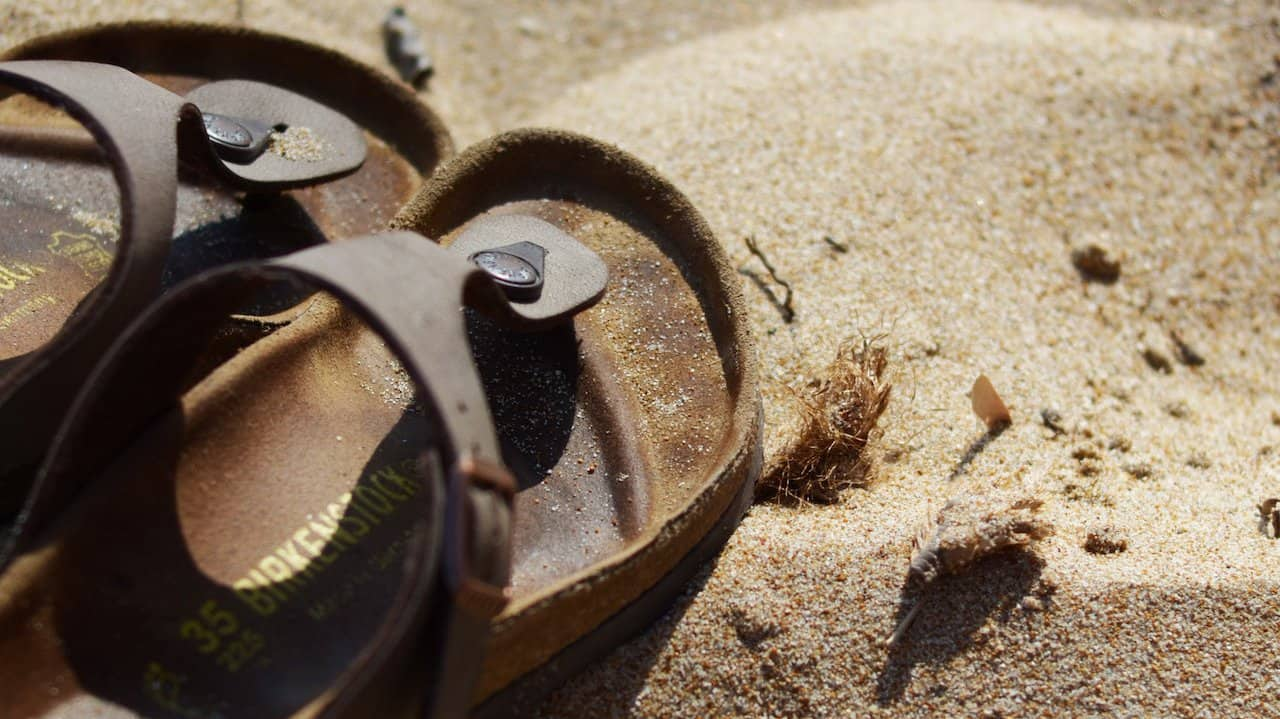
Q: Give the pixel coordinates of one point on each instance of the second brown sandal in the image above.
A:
(228, 144)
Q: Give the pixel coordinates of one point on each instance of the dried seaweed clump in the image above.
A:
(969, 528)
(966, 530)
(840, 415)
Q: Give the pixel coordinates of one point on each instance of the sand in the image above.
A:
(959, 152)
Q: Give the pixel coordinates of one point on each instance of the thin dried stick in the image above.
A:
(788, 312)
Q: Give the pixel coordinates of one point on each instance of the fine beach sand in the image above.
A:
(958, 152)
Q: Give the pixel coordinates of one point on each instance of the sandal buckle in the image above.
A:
(477, 571)
(490, 475)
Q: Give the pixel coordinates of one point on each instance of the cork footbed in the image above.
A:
(630, 432)
(242, 551)
(60, 205)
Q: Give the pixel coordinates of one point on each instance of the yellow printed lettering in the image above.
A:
(27, 309)
(255, 598)
(389, 476)
(375, 500)
(294, 563)
(275, 568)
(30, 270)
(322, 551)
(324, 532)
(301, 538)
(83, 250)
(261, 580)
(341, 537)
(337, 512)
(292, 556)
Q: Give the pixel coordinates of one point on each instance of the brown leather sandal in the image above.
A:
(634, 434)
(73, 272)
(406, 139)
(318, 527)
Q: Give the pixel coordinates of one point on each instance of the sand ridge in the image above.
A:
(961, 152)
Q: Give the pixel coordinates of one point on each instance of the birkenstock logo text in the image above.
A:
(84, 251)
(13, 274)
(26, 309)
(296, 562)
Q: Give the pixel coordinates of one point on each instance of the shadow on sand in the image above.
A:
(955, 608)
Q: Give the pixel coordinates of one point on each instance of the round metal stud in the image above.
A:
(519, 278)
(223, 129)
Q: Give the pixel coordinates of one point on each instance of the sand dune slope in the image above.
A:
(961, 152)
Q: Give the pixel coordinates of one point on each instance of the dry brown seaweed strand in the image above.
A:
(840, 417)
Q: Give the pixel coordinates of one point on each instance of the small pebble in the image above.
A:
(1052, 419)
(1139, 470)
(530, 26)
(1269, 509)
(1105, 539)
(1156, 359)
(1096, 262)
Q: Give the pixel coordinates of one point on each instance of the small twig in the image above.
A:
(784, 307)
(1186, 355)
(840, 247)
(240, 11)
(764, 287)
(904, 624)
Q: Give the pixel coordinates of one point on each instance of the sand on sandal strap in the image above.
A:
(252, 135)
(387, 108)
